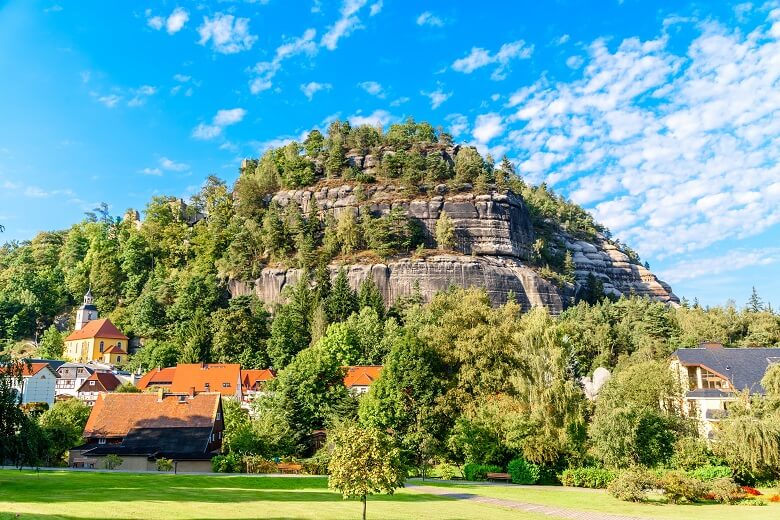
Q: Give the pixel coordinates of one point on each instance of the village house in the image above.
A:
(142, 428)
(712, 375)
(70, 378)
(254, 382)
(37, 383)
(224, 378)
(95, 339)
(358, 379)
(97, 383)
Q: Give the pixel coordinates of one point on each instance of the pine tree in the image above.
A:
(348, 232)
(370, 296)
(755, 303)
(342, 301)
(445, 232)
(568, 267)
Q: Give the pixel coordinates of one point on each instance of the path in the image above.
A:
(558, 512)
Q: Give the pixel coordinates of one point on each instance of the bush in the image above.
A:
(596, 478)
(725, 490)
(523, 472)
(112, 461)
(446, 471)
(709, 472)
(318, 464)
(690, 453)
(258, 464)
(632, 485)
(230, 463)
(164, 464)
(477, 472)
(679, 487)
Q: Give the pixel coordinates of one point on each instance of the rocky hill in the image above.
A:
(495, 238)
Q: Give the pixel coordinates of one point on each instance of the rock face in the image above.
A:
(494, 237)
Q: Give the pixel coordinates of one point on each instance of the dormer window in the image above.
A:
(225, 385)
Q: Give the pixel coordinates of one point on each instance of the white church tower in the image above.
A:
(87, 312)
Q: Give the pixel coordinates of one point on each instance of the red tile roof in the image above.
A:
(250, 377)
(203, 377)
(361, 375)
(108, 382)
(31, 369)
(113, 349)
(156, 377)
(115, 414)
(102, 328)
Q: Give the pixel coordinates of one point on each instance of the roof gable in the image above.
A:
(361, 375)
(743, 367)
(104, 382)
(102, 328)
(250, 377)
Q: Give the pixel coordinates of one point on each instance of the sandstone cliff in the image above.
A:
(494, 239)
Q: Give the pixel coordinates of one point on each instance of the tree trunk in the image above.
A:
(364, 507)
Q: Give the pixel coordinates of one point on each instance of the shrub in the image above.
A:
(523, 472)
(725, 490)
(596, 478)
(751, 491)
(446, 471)
(318, 464)
(478, 472)
(164, 464)
(679, 487)
(709, 472)
(632, 485)
(230, 463)
(690, 453)
(258, 464)
(112, 461)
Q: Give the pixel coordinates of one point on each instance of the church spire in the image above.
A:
(87, 312)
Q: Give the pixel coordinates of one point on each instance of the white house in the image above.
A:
(711, 376)
(37, 384)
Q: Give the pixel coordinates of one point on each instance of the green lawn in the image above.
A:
(76, 495)
(598, 500)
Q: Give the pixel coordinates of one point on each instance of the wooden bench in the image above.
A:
(286, 467)
(499, 476)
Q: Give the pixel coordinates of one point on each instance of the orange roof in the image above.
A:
(29, 369)
(250, 377)
(115, 414)
(102, 328)
(107, 380)
(158, 376)
(114, 350)
(361, 375)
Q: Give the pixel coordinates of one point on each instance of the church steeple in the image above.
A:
(87, 312)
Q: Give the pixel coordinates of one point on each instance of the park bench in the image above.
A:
(286, 467)
(499, 476)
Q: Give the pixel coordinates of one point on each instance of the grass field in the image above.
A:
(85, 495)
(597, 500)
(77, 495)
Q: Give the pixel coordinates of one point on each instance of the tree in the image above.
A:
(364, 461)
(52, 344)
(342, 301)
(240, 333)
(445, 232)
(348, 232)
(63, 425)
(127, 388)
(468, 165)
(291, 327)
(370, 296)
(755, 303)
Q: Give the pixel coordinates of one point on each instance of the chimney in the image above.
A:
(192, 391)
(160, 393)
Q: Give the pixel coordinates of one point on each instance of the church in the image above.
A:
(95, 339)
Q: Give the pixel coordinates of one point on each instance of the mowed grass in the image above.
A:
(77, 495)
(601, 501)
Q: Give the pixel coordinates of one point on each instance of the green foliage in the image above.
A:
(478, 472)
(523, 472)
(709, 472)
(230, 463)
(318, 464)
(52, 344)
(391, 233)
(678, 487)
(63, 425)
(446, 471)
(690, 453)
(632, 485)
(595, 478)
(342, 300)
(445, 232)
(164, 464)
(127, 388)
(725, 490)
(364, 461)
(112, 461)
(240, 332)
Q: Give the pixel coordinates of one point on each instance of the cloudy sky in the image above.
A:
(662, 118)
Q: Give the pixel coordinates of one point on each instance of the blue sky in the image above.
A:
(662, 118)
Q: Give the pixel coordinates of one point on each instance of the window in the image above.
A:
(219, 416)
(119, 359)
(225, 385)
(101, 440)
(711, 380)
(91, 383)
(206, 385)
(119, 344)
(101, 346)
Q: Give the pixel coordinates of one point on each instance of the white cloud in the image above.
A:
(155, 22)
(375, 8)
(176, 21)
(311, 88)
(479, 57)
(574, 62)
(373, 88)
(487, 127)
(562, 39)
(437, 97)
(140, 94)
(228, 34)
(152, 171)
(168, 164)
(675, 150)
(377, 117)
(109, 100)
(346, 24)
(429, 19)
(222, 119)
(266, 70)
(691, 269)
(459, 124)
(400, 101)
(181, 78)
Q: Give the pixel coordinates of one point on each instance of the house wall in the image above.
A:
(39, 388)
(194, 466)
(83, 350)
